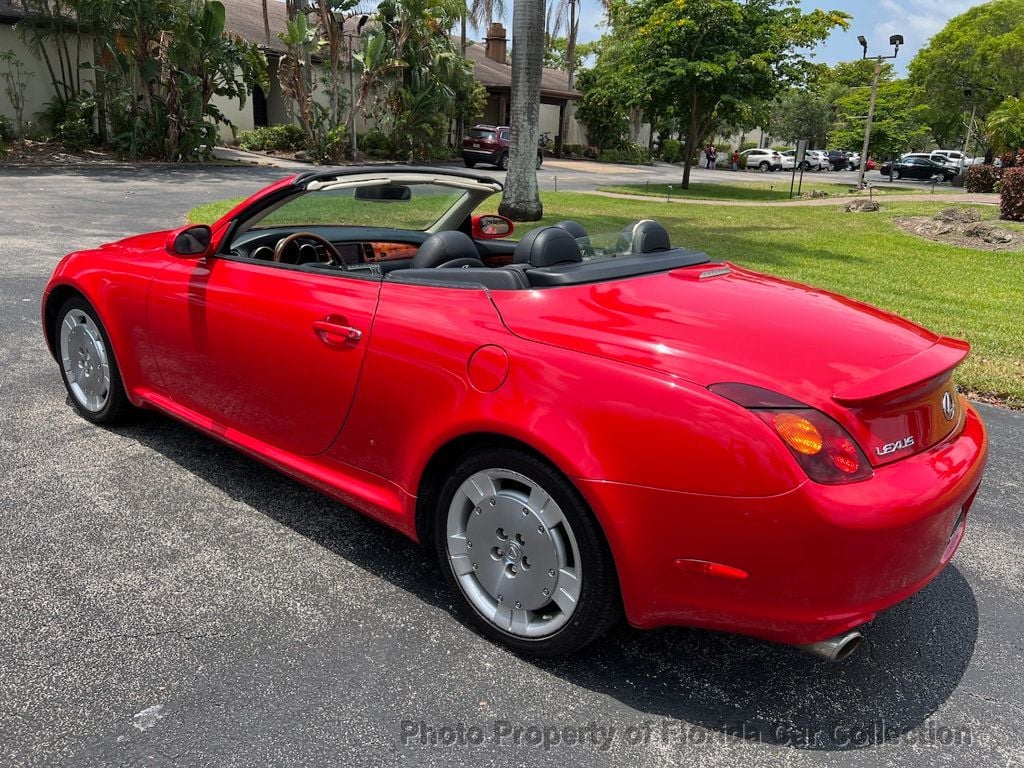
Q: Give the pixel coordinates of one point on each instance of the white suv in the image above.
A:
(763, 159)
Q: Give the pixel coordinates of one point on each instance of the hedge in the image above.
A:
(981, 178)
(274, 137)
(1011, 195)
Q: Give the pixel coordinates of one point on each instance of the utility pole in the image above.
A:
(968, 93)
(896, 41)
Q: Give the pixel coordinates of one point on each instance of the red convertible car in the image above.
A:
(579, 428)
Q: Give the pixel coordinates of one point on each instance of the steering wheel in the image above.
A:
(334, 257)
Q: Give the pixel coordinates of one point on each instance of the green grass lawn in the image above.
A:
(776, 189)
(976, 295)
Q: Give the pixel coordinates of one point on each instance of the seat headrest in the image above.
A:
(443, 247)
(646, 236)
(546, 246)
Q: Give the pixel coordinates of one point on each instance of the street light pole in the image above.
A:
(896, 41)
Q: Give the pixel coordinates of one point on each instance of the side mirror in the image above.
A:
(492, 227)
(192, 241)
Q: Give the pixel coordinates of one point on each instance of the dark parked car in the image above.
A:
(839, 158)
(917, 168)
(489, 144)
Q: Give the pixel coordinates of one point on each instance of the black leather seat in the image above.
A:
(547, 246)
(646, 236)
(446, 250)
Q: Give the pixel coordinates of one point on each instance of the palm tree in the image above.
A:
(564, 12)
(521, 200)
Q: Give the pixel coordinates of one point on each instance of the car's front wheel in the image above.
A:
(897, 175)
(87, 364)
(765, 166)
(526, 556)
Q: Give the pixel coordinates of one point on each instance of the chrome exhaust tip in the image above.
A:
(834, 648)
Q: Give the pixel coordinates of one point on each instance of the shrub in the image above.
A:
(287, 137)
(74, 135)
(1011, 195)
(631, 154)
(376, 144)
(572, 150)
(671, 150)
(981, 178)
(591, 152)
(748, 145)
(6, 129)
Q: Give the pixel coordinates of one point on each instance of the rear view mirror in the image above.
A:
(190, 241)
(492, 227)
(389, 193)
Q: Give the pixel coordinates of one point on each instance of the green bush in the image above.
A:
(6, 129)
(375, 144)
(633, 154)
(748, 145)
(74, 135)
(981, 178)
(591, 152)
(273, 138)
(572, 150)
(671, 150)
(1011, 194)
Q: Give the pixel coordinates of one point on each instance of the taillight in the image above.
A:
(822, 448)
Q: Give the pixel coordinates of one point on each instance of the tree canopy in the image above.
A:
(706, 60)
(980, 51)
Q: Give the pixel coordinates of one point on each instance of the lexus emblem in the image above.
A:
(948, 406)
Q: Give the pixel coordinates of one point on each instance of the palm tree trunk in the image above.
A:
(521, 200)
(266, 21)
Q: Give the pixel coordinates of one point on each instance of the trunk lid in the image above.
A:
(885, 379)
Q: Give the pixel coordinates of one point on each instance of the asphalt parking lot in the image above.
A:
(166, 601)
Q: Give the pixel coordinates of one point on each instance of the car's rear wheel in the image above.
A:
(503, 161)
(765, 166)
(469, 163)
(519, 546)
(87, 364)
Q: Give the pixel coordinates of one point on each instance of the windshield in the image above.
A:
(398, 206)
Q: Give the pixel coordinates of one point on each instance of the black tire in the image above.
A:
(897, 175)
(503, 161)
(764, 166)
(599, 604)
(469, 163)
(118, 408)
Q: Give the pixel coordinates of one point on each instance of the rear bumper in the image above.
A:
(819, 559)
(481, 156)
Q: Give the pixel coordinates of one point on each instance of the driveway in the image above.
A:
(167, 601)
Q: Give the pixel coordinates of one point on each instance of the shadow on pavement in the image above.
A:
(914, 657)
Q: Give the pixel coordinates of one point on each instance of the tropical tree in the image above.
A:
(974, 63)
(564, 13)
(414, 80)
(705, 59)
(1005, 125)
(521, 198)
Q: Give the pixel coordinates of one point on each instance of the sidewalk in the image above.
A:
(941, 197)
(235, 155)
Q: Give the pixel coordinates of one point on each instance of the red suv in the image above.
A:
(489, 144)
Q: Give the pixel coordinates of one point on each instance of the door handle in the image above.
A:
(336, 334)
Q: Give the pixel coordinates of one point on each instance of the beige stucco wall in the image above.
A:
(40, 87)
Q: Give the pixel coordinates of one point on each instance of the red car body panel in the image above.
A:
(608, 381)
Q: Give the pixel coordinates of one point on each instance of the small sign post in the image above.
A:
(798, 162)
